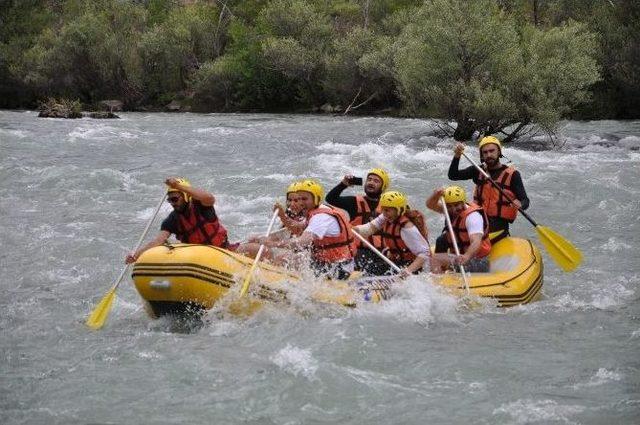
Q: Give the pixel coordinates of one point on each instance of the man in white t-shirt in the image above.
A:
(327, 235)
(470, 228)
(402, 230)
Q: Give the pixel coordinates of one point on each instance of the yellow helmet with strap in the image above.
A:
(453, 194)
(394, 199)
(183, 182)
(293, 187)
(384, 176)
(490, 140)
(314, 188)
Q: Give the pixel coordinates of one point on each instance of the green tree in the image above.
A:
(174, 50)
(91, 56)
(294, 37)
(355, 70)
(469, 62)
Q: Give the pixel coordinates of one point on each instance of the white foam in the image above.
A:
(544, 411)
(94, 132)
(222, 131)
(613, 294)
(415, 301)
(297, 361)
(71, 276)
(601, 377)
(149, 355)
(21, 134)
(613, 245)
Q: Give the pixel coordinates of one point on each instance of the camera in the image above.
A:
(356, 181)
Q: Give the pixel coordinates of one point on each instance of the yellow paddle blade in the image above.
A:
(99, 314)
(494, 235)
(567, 256)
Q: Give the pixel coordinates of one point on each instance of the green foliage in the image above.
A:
(173, 50)
(487, 64)
(89, 57)
(474, 67)
(358, 69)
(61, 108)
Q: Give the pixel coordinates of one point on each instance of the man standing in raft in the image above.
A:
(470, 227)
(193, 219)
(499, 210)
(327, 234)
(362, 209)
(403, 232)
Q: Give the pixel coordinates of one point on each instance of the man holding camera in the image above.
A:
(362, 209)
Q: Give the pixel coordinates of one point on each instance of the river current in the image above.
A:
(75, 196)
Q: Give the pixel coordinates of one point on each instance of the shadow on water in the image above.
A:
(183, 318)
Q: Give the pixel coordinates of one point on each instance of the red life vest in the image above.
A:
(492, 201)
(193, 227)
(459, 225)
(363, 216)
(393, 245)
(332, 249)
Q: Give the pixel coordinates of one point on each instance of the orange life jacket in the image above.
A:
(332, 249)
(492, 201)
(363, 216)
(459, 225)
(393, 245)
(193, 227)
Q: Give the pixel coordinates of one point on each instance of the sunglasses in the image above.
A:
(173, 199)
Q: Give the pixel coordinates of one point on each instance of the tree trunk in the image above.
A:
(464, 130)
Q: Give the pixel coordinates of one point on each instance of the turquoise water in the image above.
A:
(76, 194)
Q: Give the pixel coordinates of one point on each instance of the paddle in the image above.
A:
(455, 243)
(247, 279)
(100, 313)
(567, 256)
(375, 251)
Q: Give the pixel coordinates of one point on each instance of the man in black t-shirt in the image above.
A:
(362, 209)
(193, 219)
(499, 210)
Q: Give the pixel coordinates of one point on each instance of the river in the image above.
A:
(75, 196)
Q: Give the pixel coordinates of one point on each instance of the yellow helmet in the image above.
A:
(383, 175)
(454, 194)
(490, 140)
(394, 199)
(184, 182)
(293, 187)
(314, 188)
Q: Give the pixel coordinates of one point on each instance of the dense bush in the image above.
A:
(488, 65)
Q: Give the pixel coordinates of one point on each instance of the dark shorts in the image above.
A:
(370, 264)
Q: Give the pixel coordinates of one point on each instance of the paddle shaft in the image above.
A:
(144, 234)
(447, 219)
(484, 173)
(247, 280)
(375, 251)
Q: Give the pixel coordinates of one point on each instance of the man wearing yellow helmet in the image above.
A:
(294, 220)
(193, 219)
(470, 227)
(499, 210)
(362, 209)
(403, 232)
(327, 234)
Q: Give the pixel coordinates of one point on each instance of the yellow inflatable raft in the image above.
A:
(172, 279)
